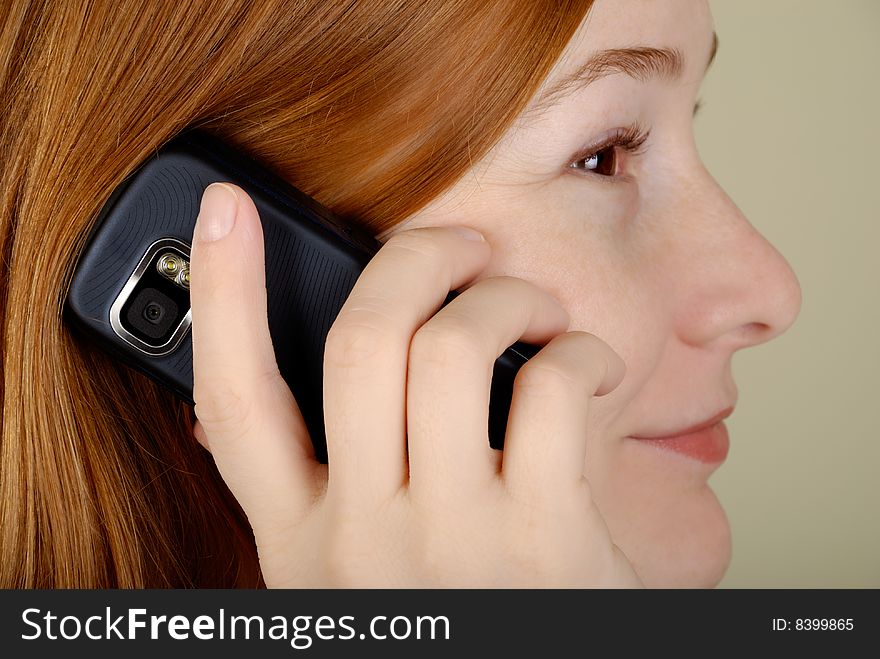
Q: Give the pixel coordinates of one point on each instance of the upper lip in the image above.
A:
(702, 425)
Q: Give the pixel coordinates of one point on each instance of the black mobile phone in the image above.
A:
(130, 288)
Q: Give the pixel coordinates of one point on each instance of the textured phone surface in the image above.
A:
(312, 263)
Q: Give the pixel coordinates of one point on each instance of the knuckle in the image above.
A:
(533, 499)
(546, 375)
(446, 345)
(356, 336)
(223, 403)
(414, 245)
(417, 250)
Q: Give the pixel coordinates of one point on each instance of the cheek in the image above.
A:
(666, 519)
(597, 263)
(595, 270)
(579, 259)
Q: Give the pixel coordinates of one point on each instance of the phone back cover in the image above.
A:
(312, 262)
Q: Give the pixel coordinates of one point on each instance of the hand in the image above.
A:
(413, 494)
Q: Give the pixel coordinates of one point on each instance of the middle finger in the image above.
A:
(450, 374)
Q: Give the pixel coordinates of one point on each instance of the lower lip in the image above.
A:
(709, 445)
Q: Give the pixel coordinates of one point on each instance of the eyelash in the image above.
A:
(631, 139)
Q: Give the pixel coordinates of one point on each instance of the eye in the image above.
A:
(608, 158)
(604, 162)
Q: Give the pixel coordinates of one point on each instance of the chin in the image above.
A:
(679, 540)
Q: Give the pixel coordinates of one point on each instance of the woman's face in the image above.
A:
(644, 250)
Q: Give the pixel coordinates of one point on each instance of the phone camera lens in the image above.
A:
(153, 312)
(152, 315)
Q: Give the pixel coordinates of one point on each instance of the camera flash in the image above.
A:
(169, 264)
(183, 277)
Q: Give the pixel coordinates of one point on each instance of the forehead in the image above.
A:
(682, 24)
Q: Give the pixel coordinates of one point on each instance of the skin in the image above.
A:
(642, 286)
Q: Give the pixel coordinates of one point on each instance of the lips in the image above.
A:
(708, 423)
(706, 442)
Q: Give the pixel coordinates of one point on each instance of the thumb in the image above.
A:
(249, 419)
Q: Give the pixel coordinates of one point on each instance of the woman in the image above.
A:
(559, 132)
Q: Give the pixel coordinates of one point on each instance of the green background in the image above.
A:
(789, 127)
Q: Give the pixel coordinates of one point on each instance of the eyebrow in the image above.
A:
(641, 63)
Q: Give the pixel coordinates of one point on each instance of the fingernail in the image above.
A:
(469, 234)
(217, 213)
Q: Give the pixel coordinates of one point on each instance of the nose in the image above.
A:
(741, 291)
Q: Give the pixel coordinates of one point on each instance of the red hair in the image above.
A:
(374, 108)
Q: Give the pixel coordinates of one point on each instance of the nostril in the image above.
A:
(750, 334)
(757, 332)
